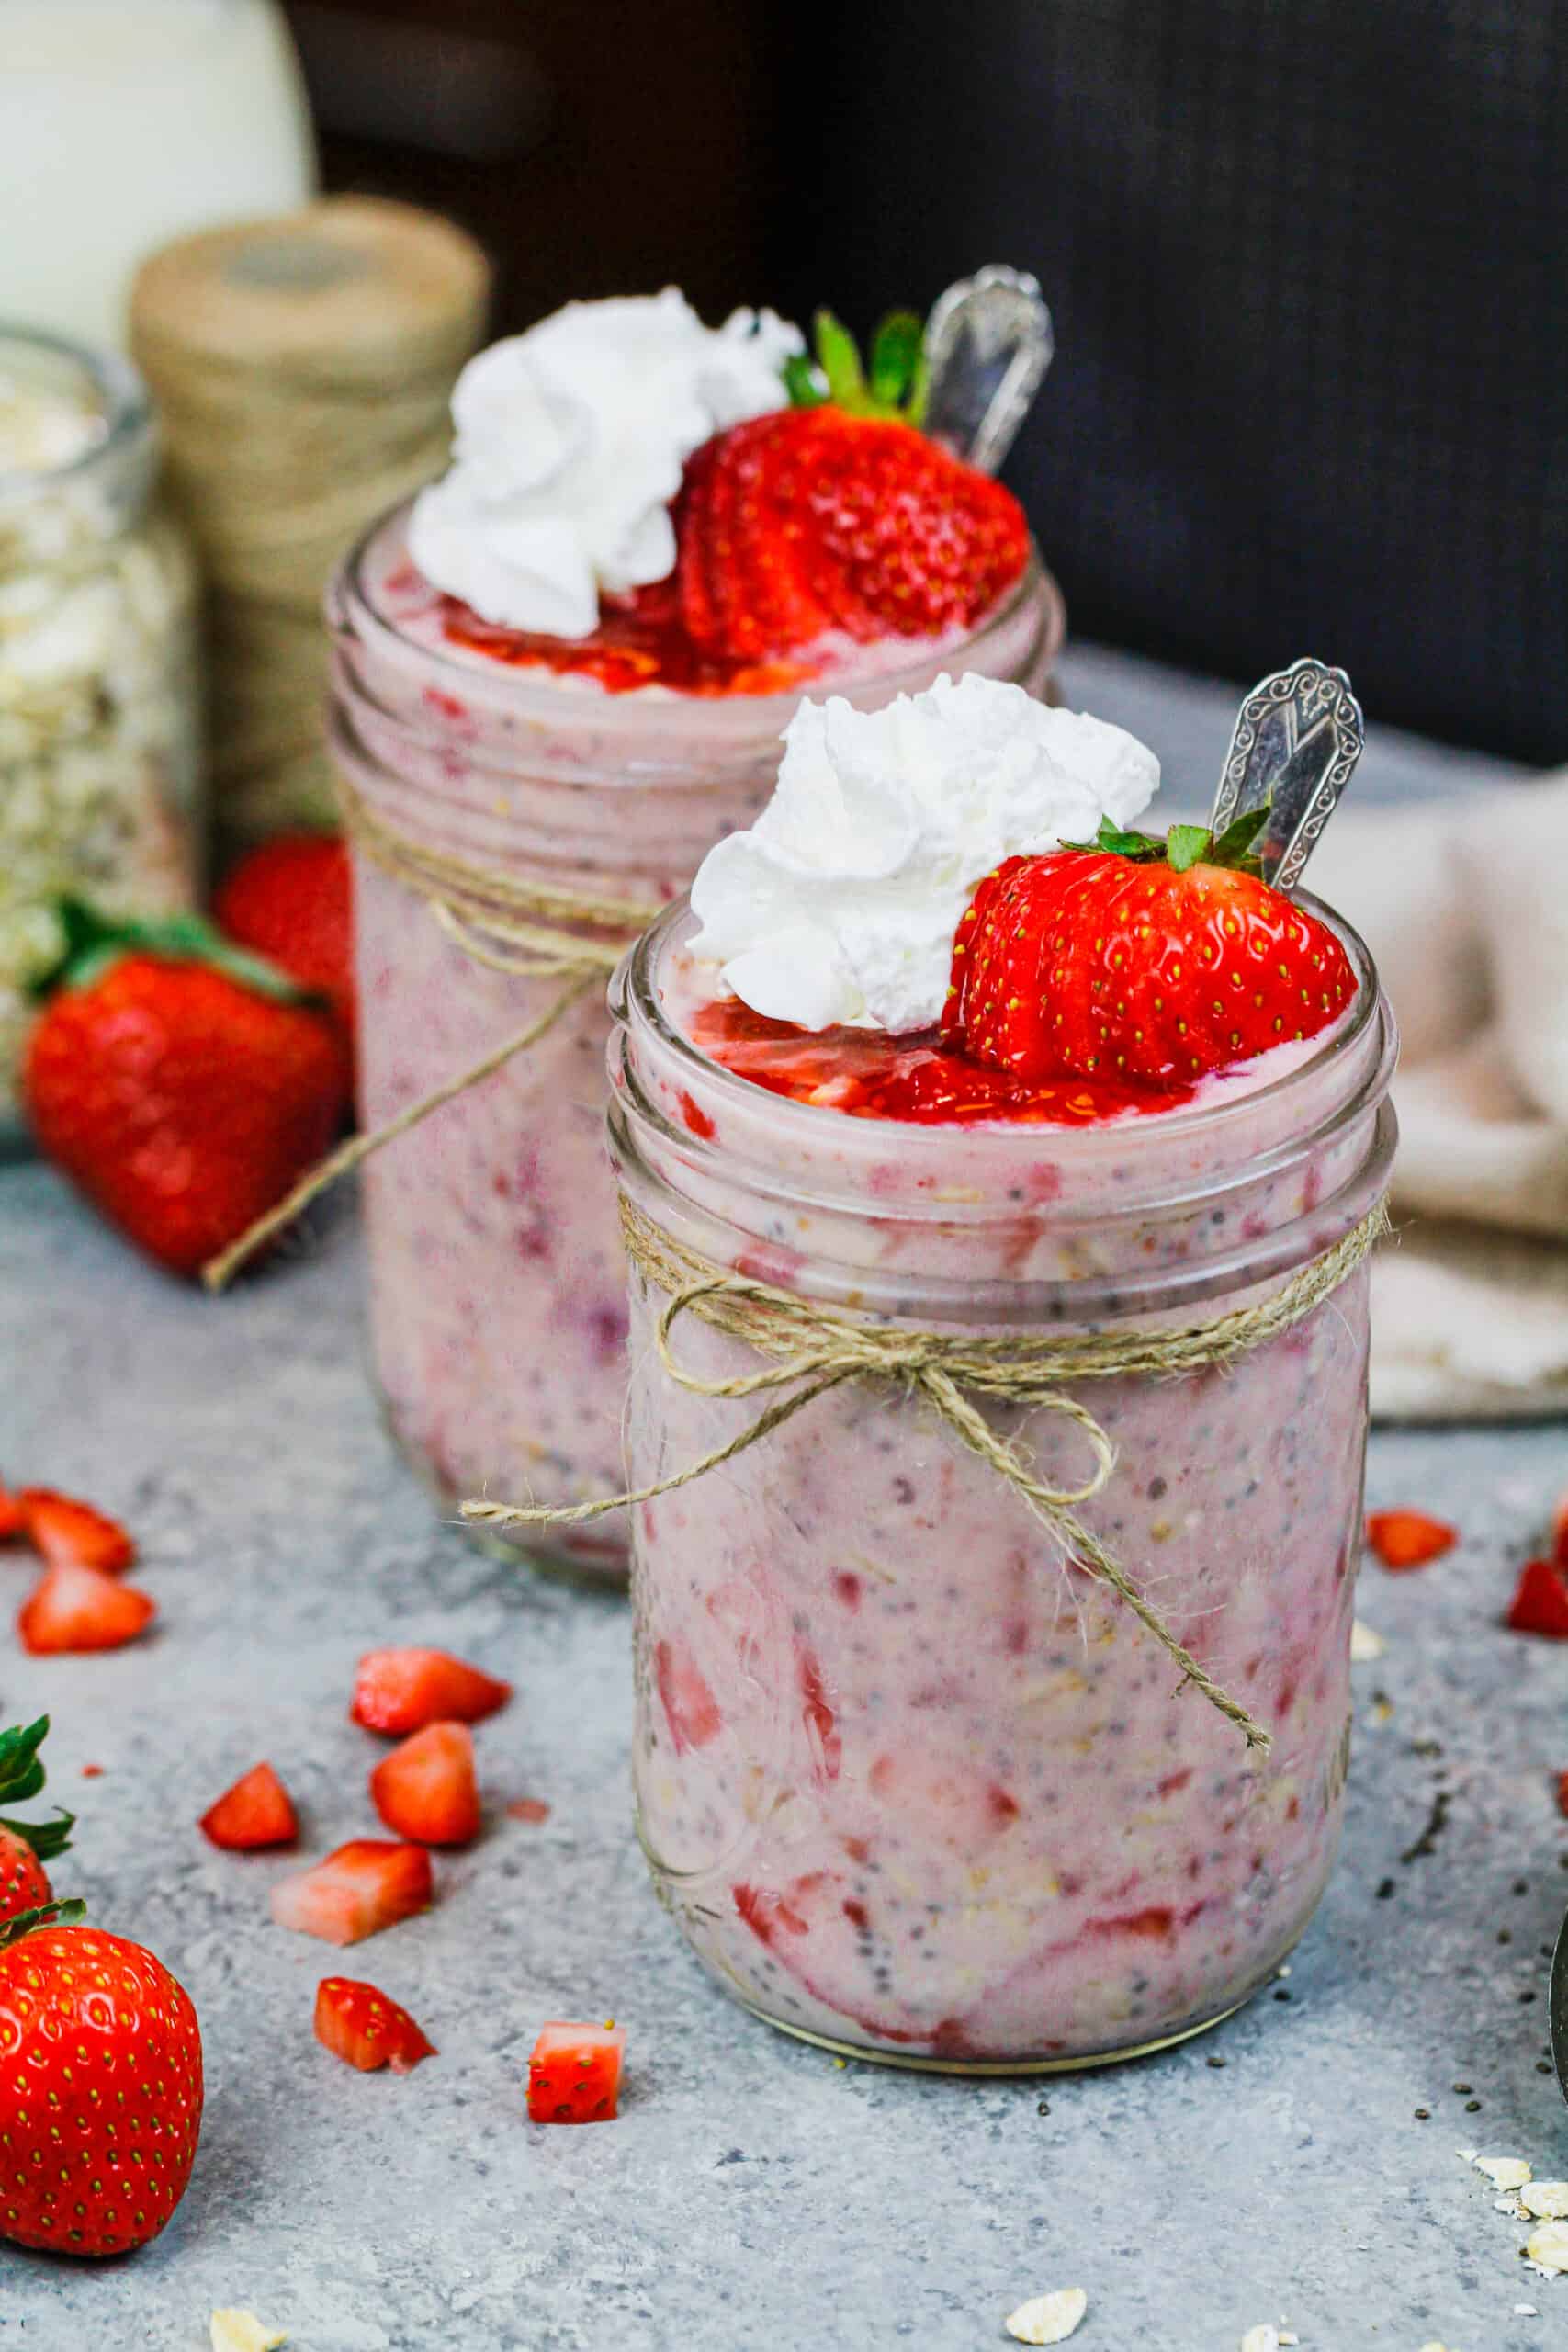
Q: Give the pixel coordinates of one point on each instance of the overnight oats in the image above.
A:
(1032, 1207)
(559, 678)
(98, 705)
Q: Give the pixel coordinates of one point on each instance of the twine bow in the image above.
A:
(507, 924)
(808, 1350)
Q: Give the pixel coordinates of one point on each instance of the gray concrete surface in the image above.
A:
(753, 2193)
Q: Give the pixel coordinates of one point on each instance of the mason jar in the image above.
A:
(99, 710)
(914, 1784)
(497, 1282)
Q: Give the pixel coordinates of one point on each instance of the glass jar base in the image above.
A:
(999, 2066)
(585, 1558)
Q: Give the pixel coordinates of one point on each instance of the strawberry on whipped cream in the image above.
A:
(914, 1784)
(472, 720)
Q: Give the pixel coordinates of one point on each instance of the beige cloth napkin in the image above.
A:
(1464, 903)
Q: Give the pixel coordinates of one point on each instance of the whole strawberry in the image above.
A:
(291, 901)
(182, 1084)
(1140, 960)
(100, 2055)
(838, 514)
(26, 1846)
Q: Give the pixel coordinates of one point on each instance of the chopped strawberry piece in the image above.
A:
(401, 1691)
(72, 1535)
(360, 2025)
(364, 1886)
(426, 1788)
(1408, 1539)
(574, 2074)
(1562, 1793)
(1539, 1604)
(13, 1517)
(74, 1607)
(256, 1811)
(1560, 1531)
(821, 1722)
(690, 1707)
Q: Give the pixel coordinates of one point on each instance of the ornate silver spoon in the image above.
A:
(1557, 2009)
(1298, 736)
(988, 341)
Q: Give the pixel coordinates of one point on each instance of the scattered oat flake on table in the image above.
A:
(1365, 1645)
(1048, 2318)
(1525, 2311)
(1547, 2247)
(1545, 2201)
(1503, 2172)
(235, 2331)
(1261, 2339)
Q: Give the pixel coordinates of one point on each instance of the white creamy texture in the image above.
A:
(839, 904)
(570, 441)
(39, 431)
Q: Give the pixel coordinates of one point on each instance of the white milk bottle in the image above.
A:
(124, 123)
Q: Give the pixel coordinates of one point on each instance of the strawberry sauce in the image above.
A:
(870, 1075)
(641, 640)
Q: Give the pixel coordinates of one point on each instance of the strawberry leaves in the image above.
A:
(893, 387)
(1186, 846)
(92, 941)
(21, 1777)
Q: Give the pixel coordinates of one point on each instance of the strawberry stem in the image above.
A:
(894, 388)
(48, 1915)
(22, 1776)
(92, 941)
(1186, 845)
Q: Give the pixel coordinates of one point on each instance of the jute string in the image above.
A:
(303, 367)
(808, 1349)
(508, 923)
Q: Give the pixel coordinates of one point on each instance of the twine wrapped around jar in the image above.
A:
(303, 367)
(508, 923)
(808, 1349)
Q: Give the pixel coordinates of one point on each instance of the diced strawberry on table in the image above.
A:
(74, 1534)
(369, 1884)
(574, 2074)
(1539, 1604)
(426, 1789)
(13, 1517)
(360, 2025)
(257, 1810)
(1560, 1531)
(402, 1689)
(1408, 1539)
(80, 1608)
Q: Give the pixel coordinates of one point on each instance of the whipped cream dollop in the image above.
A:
(569, 445)
(839, 904)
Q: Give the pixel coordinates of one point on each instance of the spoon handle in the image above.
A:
(1558, 2008)
(1298, 736)
(988, 341)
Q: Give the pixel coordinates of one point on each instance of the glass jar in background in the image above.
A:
(99, 703)
(497, 1279)
(126, 122)
(911, 1785)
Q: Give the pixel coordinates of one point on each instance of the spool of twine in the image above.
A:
(303, 369)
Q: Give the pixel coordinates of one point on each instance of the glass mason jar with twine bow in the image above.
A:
(997, 1501)
(512, 833)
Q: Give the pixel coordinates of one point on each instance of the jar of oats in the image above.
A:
(99, 739)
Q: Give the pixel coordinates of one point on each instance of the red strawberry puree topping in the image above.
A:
(911, 1783)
